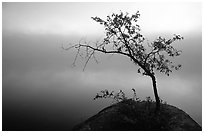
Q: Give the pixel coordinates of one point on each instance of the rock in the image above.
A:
(130, 115)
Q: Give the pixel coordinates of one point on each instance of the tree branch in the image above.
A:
(102, 51)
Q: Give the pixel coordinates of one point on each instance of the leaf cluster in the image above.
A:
(123, 35)
(119, 96)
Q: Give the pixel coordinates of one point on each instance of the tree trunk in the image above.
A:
(155, 93)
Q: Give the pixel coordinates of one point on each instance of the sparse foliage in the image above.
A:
(123, 37)
(149, 99)
(135, 98)
(119, 96)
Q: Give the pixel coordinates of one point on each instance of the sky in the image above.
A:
(40, 86)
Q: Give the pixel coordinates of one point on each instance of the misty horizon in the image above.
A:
(40, 87)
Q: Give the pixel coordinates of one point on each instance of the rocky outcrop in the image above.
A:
(130, 115)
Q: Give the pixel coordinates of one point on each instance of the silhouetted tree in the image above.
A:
(123, 37)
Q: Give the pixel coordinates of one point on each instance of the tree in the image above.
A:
(123, 37)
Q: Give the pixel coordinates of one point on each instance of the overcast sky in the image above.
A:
(38, 76)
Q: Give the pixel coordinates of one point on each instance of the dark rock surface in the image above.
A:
(130, 115)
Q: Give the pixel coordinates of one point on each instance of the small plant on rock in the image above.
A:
(119, 96)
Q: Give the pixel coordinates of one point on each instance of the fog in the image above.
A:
(42, 90)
